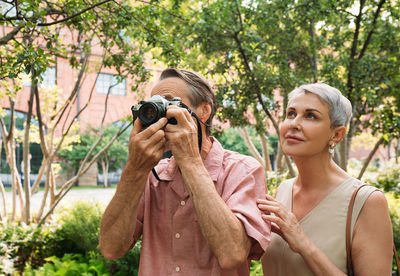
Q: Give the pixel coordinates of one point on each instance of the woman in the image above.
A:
(309, 213)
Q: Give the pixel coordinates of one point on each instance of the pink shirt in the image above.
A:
(172, 242)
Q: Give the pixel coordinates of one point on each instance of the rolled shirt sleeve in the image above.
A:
(245, 183)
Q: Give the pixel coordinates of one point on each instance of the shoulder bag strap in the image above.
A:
(348, 227)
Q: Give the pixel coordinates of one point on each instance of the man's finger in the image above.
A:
(153, 128)
(137, 127)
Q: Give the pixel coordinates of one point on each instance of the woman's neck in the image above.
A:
(318, 173)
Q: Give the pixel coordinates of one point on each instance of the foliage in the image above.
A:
(256, 268)
(71, 265)
(34, 22)
(128, 264)
(79, 228)
(21, 244)
(254, 50)
(68, 242)
(86, 34)
(386, 178)
(274, 179)
(115, 155)
(231, 140)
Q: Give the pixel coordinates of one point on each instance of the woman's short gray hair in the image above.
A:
(340, 110)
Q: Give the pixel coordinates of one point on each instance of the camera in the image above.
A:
(154, 109)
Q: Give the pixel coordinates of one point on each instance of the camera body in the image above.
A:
(154, 109)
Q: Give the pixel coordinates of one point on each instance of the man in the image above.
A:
(202, 217)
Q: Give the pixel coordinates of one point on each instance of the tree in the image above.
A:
(112, 158)
(30, 44)
(256, 50)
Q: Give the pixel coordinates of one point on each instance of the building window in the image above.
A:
(105, 81)
(49, 78)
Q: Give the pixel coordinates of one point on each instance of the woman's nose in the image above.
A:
(296, 123)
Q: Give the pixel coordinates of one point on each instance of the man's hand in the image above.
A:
(147, 146)
(182, 137)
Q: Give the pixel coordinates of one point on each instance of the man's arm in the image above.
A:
(119, 219)
(224, 232)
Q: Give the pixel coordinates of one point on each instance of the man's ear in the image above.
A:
(338, 134)
(203, 111)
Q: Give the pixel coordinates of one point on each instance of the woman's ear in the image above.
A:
(338, 134)
(203, 111)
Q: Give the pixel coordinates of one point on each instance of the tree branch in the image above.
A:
(371, 154)
(74, 15)
(366, 43)
(354, 48)
(10, 35)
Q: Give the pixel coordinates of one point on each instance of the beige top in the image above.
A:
(325, 225)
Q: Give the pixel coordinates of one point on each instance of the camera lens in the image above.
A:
(149, 113)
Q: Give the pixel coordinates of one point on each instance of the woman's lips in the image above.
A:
(293, 138)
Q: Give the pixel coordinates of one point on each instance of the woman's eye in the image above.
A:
(290, 114)
(311, 116)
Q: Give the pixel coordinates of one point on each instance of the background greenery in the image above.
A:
(254, 51)
(69, 241)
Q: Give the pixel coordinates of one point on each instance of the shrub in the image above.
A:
(66, 243)
(71, 265)
(256, 268)
(21, 244)
(387, 179)
(79, 229)
(274, 180)
(128, 264)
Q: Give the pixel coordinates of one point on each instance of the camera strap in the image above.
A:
(199, 139)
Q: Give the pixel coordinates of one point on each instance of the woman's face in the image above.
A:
(306, 130)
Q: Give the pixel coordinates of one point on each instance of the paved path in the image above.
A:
(102, 196)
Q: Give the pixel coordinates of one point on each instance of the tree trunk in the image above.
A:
(292, 173)
(104, 165)
(3, 193)
(26, 159)
(42, 169)
(4, 215)
(279, 160)
(254, 152)
(264, 145)
(369, 158)
(313, 61)
(336, 155)
(342, 151)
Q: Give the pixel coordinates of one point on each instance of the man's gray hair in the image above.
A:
(340, 110)
(200, 89)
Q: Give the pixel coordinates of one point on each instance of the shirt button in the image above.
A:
(183, 203)
(177, 269)
(177, 235)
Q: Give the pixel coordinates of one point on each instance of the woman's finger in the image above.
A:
(267, 202)
(276, 229)
(269, 208)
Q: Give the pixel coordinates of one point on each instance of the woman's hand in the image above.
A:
(283, 222)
